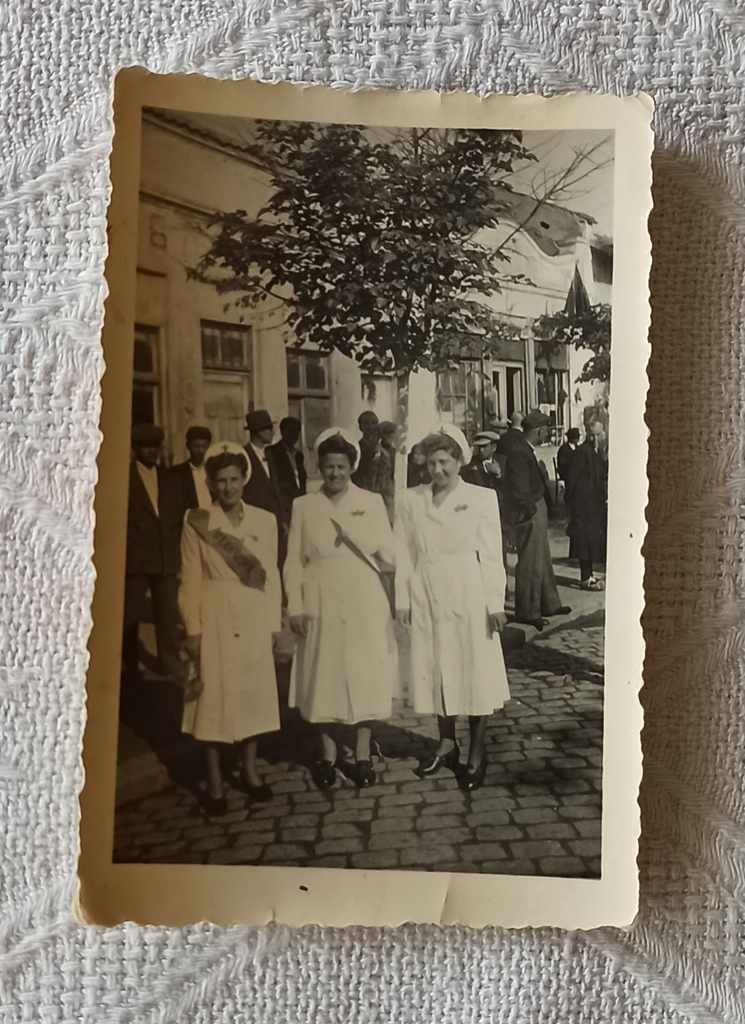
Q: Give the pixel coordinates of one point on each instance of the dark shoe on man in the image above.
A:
(564, 609)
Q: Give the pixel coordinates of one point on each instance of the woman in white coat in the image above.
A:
(346, 662)
(450, 584)
(230, 601)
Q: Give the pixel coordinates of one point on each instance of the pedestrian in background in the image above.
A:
(287, 474)
(587, 501)
(565, 454)
(528, 497)
(191, 475)
(152, 556)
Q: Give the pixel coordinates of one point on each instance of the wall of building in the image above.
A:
(184, 180)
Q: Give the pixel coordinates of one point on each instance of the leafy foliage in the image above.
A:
(372, 240)
(589, 329)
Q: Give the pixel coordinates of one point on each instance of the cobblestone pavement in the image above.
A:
(538, 812)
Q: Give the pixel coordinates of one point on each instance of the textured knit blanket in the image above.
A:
(683, 960)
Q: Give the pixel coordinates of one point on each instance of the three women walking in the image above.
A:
(345, 613)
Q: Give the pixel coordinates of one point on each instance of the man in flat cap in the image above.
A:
(528, 499)
(153, 536)
(486, 469)
(262, 490)
(190, 475)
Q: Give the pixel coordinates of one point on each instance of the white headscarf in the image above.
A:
(334, 432)
(456, 434)
(228, 448)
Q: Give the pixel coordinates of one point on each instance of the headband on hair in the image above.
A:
(228, 448)
(455, 434)
(326, 435)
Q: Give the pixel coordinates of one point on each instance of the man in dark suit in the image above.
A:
(287, 466)
(486, 469)
(565, 454)
(190, 475)
(513, 434)
(261, 490)
(483, 470)
(153, 556)
(528, 498)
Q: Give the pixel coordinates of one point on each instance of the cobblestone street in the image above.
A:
(538, 812)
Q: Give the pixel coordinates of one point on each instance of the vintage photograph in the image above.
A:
(365, 569)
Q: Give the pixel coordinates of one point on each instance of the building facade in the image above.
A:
(198, 358)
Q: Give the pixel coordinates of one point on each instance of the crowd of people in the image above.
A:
(231, 546)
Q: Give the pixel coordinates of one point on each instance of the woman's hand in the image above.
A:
(299, 624)
(403, 617)
(497, 622)
(192, 646)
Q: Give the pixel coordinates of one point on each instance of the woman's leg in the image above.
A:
(477, 749)
(215, 786)
(585, 569)
(328, 744)
(362, 742)
(446, 727)
(249, 749)
(446, 755)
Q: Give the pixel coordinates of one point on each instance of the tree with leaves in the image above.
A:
(588, 328)
(370, 240)
(375, 241)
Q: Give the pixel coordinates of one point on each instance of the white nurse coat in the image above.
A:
(450, 576)
(239, 696)
(346, 668)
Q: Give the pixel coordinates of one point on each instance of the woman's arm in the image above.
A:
(489, 549)
(190, 588)
(293, 568)
(404, 556)
(273, 588)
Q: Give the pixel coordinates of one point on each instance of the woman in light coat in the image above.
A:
(230, 601)
(345, 666)
(450, 584)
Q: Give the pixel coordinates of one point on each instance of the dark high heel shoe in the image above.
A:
(473, 778)
(214, 806)
(359, 772)
(261, 793)
(450, 760)
(323, 773)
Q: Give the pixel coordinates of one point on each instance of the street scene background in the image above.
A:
(202, 359)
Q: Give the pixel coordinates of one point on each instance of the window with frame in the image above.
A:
(309, 394)
(460, 395)
(226, 346)
(146, 375)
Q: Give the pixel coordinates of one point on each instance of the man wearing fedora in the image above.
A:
(261, 490)
(153, 552)
(528, 500)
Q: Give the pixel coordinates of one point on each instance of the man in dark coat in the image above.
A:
(261, 490)
(565, 454)
(486, 469)
(287, 466)
(190, 475)
(513, 434)
(587, 501)
(153, 555)
(528, 499)
(366, 472)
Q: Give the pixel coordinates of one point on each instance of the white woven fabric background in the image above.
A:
(684, 959)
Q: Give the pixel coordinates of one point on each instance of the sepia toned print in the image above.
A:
(381, 299)
(367, 534)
